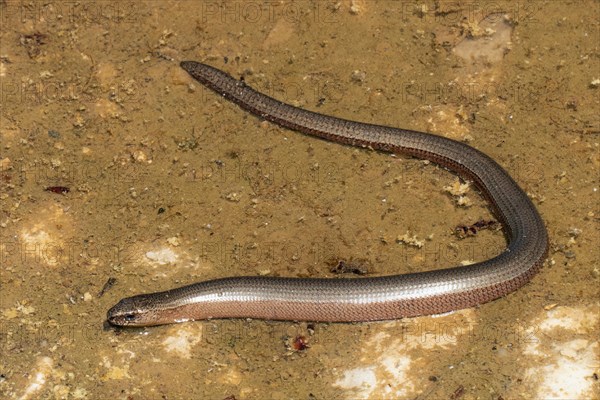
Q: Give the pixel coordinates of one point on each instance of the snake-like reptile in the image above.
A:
(358, 299)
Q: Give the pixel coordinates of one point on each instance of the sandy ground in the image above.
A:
(168, 184)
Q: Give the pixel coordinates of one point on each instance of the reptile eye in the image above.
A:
(129, 317)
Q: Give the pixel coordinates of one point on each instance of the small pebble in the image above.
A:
(569, 254)
(53, 134)
(359, 76)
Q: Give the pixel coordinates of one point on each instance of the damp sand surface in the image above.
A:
(121, 175)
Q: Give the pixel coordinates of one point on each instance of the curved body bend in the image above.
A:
(358, 299)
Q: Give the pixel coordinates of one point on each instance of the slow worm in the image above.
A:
(358, 299)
